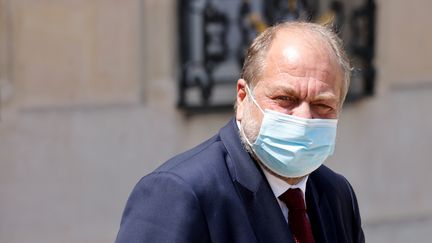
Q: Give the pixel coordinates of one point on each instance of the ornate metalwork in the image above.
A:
(214, 35)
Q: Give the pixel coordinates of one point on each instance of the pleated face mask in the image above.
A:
(293, 146)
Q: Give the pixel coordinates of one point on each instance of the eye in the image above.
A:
(283, 97)
(324, 109)
(285, 100)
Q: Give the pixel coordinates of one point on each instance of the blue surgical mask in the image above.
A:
(292, 146)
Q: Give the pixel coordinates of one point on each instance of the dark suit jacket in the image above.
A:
(217, 193)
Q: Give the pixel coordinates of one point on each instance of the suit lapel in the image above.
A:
(265, 215)
(263, 210)
(320, 213)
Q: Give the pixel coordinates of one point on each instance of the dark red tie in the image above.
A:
(297, 218)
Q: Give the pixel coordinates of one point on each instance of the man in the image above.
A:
(261, 178)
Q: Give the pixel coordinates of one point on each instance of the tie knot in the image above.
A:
(293, 198)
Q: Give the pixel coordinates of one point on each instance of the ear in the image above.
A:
(240, 98)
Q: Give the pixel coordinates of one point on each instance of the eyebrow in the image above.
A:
(328, 98)
(324, 96)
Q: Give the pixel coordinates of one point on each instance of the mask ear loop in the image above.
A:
(249, 92)
(253, 98)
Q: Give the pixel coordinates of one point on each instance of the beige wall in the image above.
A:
(92, 108)
(404, 42)
(79, 52)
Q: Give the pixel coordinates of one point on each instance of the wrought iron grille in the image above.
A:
(214, 36)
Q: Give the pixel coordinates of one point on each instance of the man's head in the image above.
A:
(298, 69)
(255, 60)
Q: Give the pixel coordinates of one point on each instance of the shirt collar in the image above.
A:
(280, 186)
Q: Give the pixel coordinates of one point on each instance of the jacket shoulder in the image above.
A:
(209, 154)
(326, 179)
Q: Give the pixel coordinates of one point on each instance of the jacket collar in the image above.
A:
(262, 207)
(242, 167)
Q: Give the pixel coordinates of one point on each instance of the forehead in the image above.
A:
(304, 55)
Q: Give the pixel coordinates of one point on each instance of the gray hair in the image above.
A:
(255, 59)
